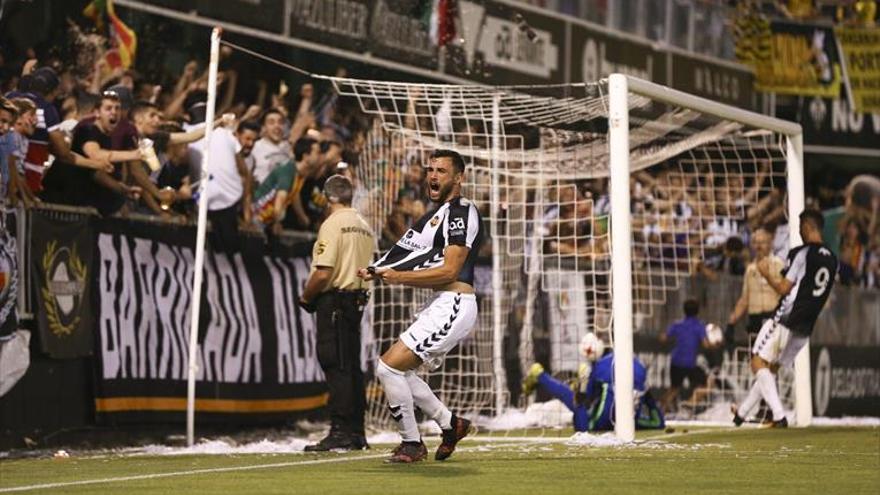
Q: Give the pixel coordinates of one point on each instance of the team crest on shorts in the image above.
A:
(435, 221)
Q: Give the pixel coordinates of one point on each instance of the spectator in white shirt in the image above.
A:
(272, 149)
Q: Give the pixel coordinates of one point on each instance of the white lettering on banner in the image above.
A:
(232, 345)
(845, 120)
(144, 313)
(341, 17)
(504, 45)
(855, 383)
(296, 357)
(145, 295)
(596, 66)
(716, 84)
(400, 32)
(107, 328)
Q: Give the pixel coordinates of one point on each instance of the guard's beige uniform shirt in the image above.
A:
(345, 243)
(760, 296)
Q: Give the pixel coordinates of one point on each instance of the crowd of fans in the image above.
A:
(120, 142)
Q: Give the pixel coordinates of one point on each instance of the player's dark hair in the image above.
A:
(248, 125)
(734, 244)
(815, 217)
(457, 160)
(691, 307)
(302, 147)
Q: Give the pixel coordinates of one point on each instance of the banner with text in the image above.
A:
(861, 54)
(256, 353)
(61, 252)
(793, 58)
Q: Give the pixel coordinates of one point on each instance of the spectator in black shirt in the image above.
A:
(66, 183)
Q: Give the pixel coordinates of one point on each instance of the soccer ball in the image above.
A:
(714, 334)
(592, 347)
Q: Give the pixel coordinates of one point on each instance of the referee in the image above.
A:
(345, 243)
(758, 298)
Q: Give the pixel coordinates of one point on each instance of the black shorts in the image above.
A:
(696, 376)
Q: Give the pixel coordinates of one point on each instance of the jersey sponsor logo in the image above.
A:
(456, 226)
(410, 241)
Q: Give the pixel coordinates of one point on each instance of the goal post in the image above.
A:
(619, 87)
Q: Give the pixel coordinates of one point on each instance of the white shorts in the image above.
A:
(440, 325)
(777, 344)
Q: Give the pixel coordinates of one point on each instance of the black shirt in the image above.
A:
(812, 269)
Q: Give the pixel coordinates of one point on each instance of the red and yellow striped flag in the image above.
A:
(123, 39)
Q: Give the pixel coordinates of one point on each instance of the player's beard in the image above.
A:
(445, 193)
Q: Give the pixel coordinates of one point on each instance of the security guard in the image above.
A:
(345, 243)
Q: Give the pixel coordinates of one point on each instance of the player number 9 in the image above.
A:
(821, 280)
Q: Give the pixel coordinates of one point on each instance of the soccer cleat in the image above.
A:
(460, 429)
(737, 419)
(408, 453)
(782, 423)
(530, 381)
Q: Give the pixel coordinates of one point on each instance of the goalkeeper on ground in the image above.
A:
(591, 399)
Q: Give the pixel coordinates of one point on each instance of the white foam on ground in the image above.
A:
(584, 439)
(220, 447)
(550, 414)
(847, 421)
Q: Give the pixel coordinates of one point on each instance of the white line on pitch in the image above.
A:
(187, 473)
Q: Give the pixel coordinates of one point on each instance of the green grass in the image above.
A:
(814, 460)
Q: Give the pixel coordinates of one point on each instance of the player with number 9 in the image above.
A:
(807, 282)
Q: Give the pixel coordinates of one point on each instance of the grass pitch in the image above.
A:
(813, 460)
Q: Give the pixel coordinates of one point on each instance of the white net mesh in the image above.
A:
(538, 172)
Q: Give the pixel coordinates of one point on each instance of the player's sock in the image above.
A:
(768, 389)
(424, 398)
(400, 401)
(751, 399)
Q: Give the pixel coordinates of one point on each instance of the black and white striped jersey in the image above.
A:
(456, 222)
(811, 268)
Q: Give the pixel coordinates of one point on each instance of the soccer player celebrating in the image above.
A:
(438, 252)
(808, 278)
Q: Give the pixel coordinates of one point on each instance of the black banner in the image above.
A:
(595, 55)
(499, 44)
(828, 122)
(61, 251)
(256, 347)
(846, 381)
(719, 82)
(9, 274)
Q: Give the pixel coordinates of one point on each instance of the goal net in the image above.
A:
(538, 166)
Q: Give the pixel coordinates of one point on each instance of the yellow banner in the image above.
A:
(861, 53)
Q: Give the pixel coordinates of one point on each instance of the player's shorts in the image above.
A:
(440, 325)
(696, 376)
(777, 344)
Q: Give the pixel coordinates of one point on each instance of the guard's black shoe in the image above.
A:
(408, 453)
(359, 442)
(333, 441)
(460, 429)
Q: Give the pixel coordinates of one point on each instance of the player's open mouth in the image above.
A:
(435, 186)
